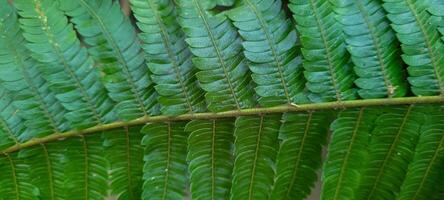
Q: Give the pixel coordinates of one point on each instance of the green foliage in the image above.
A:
(348, 153)
(168, 57)
(372, 45)
(255, 149)
(214, 42)
(210, 158)
(303, 135)
(113, 44)
(421, 45)
(270, 46)
(326, 62)
(428, 161)
(79, 79)
(165, 167)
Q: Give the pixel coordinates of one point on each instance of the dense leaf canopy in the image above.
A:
(175, 99)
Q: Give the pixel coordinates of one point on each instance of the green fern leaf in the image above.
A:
(169, 58)
(46, 163)
(42, 113)
(255, 154)
(436, 8)
(125, 154)
(15, 179)
(216, 46)
(417, 31)
(210, 158)
(86, 169)
(326, 61)
(165, 169)
(372, 44)
(347, 153)
(65, 64)
(12, 130)
(302, 136)
(113, 43)
(390, 151)
(423, 176)
(270, 46)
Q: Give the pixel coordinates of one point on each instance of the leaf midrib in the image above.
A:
(167, 43)
(14, 176)
(345, 161)
(255, 160)
(119, 53)
(301, 150)
(437, 100)
(327, 49)
(429, 166)
(428, 44)
(203, 16)
(56, 47)
(376, 43)
(276, 57)
(389, 153)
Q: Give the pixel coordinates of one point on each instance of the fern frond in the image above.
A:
(255, 145)
(302, 136)
(46, 166)
(270, 44)
(42, 113)
(421, 44)
(113, 43)
(217, 49)
(12, 130)
(327, 65)
(372, 44)
(86, 169)
(390, 151)
(209, 158)
(169, 58)
(423, 176)
(15, 179)
(165, 168)
(347, 153)
(125, 154)
(65, 63)
(436, 8)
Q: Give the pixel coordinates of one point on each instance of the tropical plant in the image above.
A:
(221, 99)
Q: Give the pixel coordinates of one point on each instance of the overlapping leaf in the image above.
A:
(113, 43)
(46, 165)
(326, 62)
(424, 173)
(65, 63)
(390, 151)
(125, 154)
(216, 46)
(86, 169)
(421, 45)
(347, 153)
(255, 154)
(42, 113)
(169, 58)
(15, 180)
(372, 44)
(302, 136)
(209, 158)
(12, 130)
(165, 168)
(270, 44)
